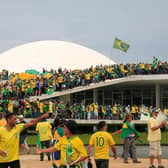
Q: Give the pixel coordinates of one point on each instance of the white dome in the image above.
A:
(51, 55)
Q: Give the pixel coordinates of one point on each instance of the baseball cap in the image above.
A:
(155, 110)
(20, 116)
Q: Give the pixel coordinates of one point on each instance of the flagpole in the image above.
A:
(111, 51)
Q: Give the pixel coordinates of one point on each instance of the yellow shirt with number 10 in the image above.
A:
(101, 140)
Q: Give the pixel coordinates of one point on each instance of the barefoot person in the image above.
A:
(9, 140)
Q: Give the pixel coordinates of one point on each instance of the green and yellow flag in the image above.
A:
(121, 45)
(156, 62)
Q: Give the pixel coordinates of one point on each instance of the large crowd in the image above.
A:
(33, 83)
(15, 88)
(74, 110)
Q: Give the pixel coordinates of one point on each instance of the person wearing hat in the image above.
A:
(154, 137)
(72, 148)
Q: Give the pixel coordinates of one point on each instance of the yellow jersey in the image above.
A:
(101, 140)
(44, 129)
(41, 107)
(9, 142)
(78, 148)
(95, 107)
(114, 109)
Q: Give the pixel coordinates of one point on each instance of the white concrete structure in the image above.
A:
(51, 54)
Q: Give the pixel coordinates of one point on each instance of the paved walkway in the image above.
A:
(32, 161)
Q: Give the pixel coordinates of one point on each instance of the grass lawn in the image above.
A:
(32, 139)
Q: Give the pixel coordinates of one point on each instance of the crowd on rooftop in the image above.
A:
(15, 87)
(25, 84)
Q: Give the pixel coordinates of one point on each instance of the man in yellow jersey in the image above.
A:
(2, 122)
(9, 140)
(72, 148)
(43, 128)
(102, 141)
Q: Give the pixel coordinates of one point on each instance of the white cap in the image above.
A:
(21, 116)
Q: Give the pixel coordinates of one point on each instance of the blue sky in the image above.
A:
(93, 23)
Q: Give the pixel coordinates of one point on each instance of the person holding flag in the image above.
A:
(129, 135)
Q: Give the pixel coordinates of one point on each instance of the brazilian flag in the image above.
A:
(121, 45)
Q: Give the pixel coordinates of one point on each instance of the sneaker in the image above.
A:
(136, 161)
(28, 151)
(125, 161)
(152, 166)
(160, 166)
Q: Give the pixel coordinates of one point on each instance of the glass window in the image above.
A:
(147, 102)
(107, 102)
(164, 92)
(107, 94)
(88, 101)
(147, 92)
(89, 94)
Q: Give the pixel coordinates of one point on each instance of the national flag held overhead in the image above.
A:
(121, 45)
(156, 62)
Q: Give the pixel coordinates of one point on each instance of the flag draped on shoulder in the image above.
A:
(121, 45)
(127, 130)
